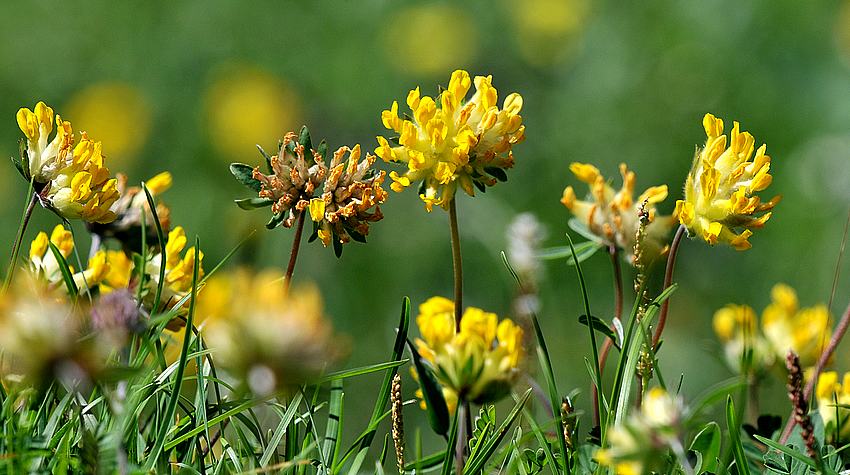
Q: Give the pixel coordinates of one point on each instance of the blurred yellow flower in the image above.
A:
(832, 395)
(117, 113)
(719, 189)
(44, 265)
(270, 338)
(429, 39)
(70, 180)
(481, 361)
(644, 439)
(246, 105)
(450, 142)
(614, 215)
(547, 31)
(784, 326)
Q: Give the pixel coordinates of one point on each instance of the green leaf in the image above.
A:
(497, 173)
(790, 451)
(160, 235)
(266, 157)
(582, 230)
(275, 220)
(450, 444)
(304, 139)
(333, 430)
(735, 438)
(425, 462)
(476, 464)
(282, 427)
(65, 270)
(323, 150)
(599, 326)
(432, 394)
(348, 373)
(253, 203)
(707, 444)
(583, 250)
(245, 174)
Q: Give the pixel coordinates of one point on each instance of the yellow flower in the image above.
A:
(831, 396)
(719, 191)
(788, 327)
(42, 261)
(450, 142)
(178, 270)
(614, 215)
(350, 191)
(645, 438)
(784, 326)
(119, 273)
(481, 361)
(71, 180)
(269, 338)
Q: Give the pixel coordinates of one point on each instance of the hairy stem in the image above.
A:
(840, 330)
(457, 264)
(618, 313)
(293, 255)
(16, 247)
(668, 279)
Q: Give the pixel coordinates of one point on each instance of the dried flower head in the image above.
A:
(269, 338)
(451, 142)
(719, 204)
(784, 327)
(642, 442)
(297, 173)
(614, 216)
(480, 362)
(70, 180)
(350, 198)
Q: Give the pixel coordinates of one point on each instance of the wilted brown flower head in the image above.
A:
(294, 180)
(351, 191)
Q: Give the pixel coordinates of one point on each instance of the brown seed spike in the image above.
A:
(798, 401)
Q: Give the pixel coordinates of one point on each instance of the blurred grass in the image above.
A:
(605, 82)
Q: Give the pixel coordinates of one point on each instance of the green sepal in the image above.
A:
(253, 203)
(245, 174)
(304, 139)
(323, 150)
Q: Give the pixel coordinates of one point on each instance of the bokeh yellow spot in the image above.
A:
(430, 39)
(116, 114)
(547, 31)
(246, 105)
(842, 30)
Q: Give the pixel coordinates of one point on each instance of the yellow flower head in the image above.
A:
(784, 326)
(614, 215)
(43, 262)
(71, 180)
(644, 439)
(178, 270)
(481, 361)
(351, 190)
(268, 337)
(719, 191)
(449, 142)
(832, 395)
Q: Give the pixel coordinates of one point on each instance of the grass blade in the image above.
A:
(735, 438)
(285, 420)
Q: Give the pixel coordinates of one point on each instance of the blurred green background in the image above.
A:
(191, 86)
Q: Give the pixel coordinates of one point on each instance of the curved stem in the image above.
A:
(293, 255)
(457, 265)
(16, 247)
(668, 279)
(840, 330)
(618, 313)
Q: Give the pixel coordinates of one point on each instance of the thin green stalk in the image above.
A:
(22, 228)
(462, 435)
(293, 255)
(457, 264)
(668, 279)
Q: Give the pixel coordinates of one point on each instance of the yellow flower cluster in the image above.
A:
(833, 402)
(71, 180)
(480, 362)
(178, 270)
(641, 443)
(130, 206)
(614, 215)
(450, 142)
(719, 190)
(784, 326)
(352, 188)
(44, 264)
(271, 338)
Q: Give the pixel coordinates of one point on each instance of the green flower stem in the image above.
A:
(618, 313)
(668, 279)
(462, 435)
(293, 255)
(16, 247)
(457, 265)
